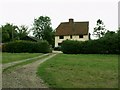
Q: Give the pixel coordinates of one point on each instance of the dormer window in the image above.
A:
(80, 36)
(61, 37)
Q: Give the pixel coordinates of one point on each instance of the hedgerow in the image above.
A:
(104, 45)
(26, 46)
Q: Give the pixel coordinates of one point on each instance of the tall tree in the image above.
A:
(99, 30)
(48, 34)
(22, 31)
(9, 32)
(42, 29)
(40, 25)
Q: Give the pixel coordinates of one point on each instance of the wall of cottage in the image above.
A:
(74, 37)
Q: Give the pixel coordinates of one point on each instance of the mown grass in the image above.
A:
(80, 71)
(22, 63)
(11, 57)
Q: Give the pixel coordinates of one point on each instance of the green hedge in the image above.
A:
(100, 46)
(26, 46)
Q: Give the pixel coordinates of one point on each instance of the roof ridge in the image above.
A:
(77, 22)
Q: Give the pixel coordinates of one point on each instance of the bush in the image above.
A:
(71, 47)
(26, 46)
(100, 46)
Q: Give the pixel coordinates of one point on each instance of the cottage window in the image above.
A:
(80, 36)
(61, 37)
(70, 36)
(59, 44)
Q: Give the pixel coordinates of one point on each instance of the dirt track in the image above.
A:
(16, 62)
(24, 77)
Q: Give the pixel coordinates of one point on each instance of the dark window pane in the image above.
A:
(59, 44)
(61, 37)
(80, 36)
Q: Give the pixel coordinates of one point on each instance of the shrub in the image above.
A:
(26, 46)
(100, 46)
(71, 47)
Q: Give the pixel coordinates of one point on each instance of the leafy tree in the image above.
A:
(22, 31)
(42, 29)
(9, 32)
(40, 25)
(48, 34)
(99, 30)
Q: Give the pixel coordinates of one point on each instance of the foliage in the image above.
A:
(106, 45)
(99, 30)
(12, 32)
(39, 25)
(9, 32)
(48, 34)
(26, 46)
(71, 47)
(42, 29)
(22, 31)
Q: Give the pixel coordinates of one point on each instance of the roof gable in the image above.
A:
(72, 28)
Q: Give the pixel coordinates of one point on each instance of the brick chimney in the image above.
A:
(71, 20)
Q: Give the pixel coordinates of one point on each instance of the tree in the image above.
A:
(48, 34)
(9, 32)
(22, 31)
(42, 29)
(99, 30)
(40, 25)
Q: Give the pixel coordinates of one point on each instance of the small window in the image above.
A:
(59, 44)
(80, 36)
(61, 37)
(70, 36)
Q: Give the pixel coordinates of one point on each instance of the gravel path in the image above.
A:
(13, 63)
(24, 77)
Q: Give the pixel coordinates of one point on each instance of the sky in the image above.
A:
(23, 12)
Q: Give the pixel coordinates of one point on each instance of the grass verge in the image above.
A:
(80, 71)
(11, 57)
(23, 63)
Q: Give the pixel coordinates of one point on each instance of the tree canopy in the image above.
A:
(9, 32)
(12, 32)
(39, 25)
(99, 30)
(42, 29)
(22, 31)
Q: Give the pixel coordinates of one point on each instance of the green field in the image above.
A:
(80, 71)
(11, 57)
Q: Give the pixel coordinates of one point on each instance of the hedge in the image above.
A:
(100, 46)
(26, 46)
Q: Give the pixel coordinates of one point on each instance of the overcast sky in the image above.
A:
(21, 12)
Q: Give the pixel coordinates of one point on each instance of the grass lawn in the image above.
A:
(80, 71)
(23, 63)
(11, 57)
